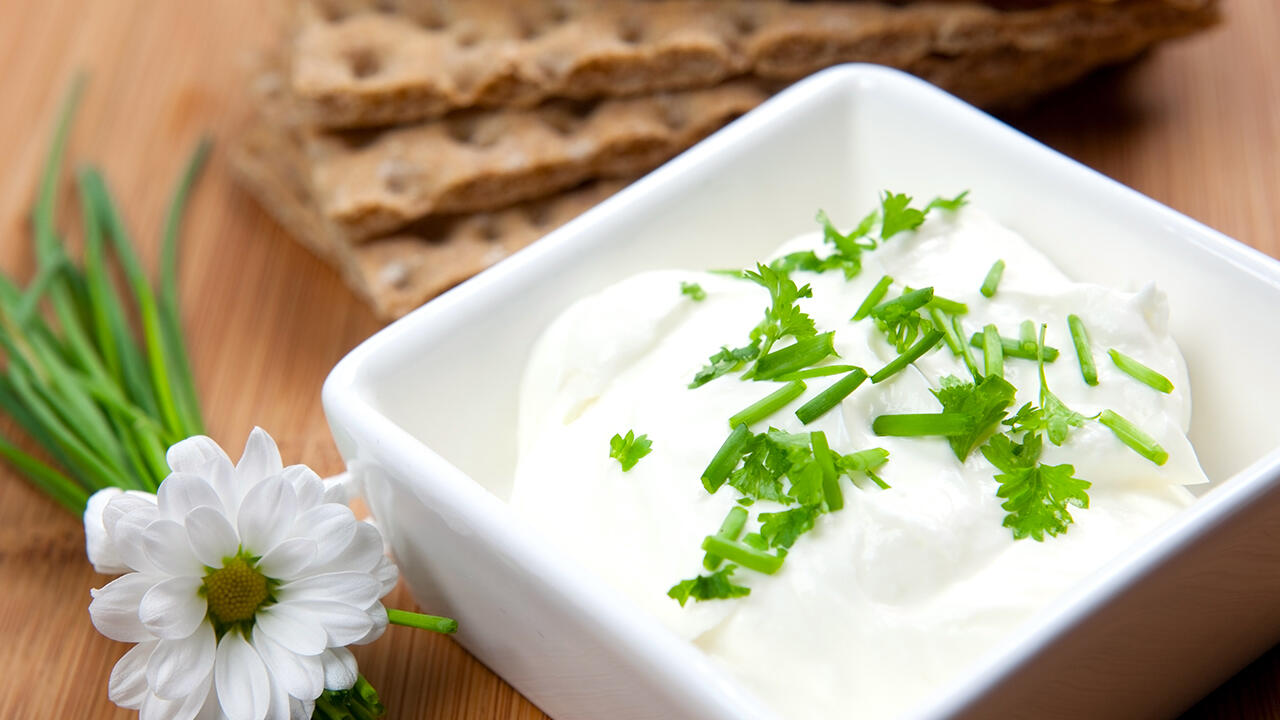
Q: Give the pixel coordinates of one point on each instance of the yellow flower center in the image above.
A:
(235, 591)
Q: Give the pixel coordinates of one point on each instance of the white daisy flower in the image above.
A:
(242, 586)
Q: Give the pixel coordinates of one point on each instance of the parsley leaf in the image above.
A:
(1036, 496)
(952, 205)
(900, 319)
(983, 404)
(693, 290)
(848, 248)
(782, 529)
(724, 362)
(628, 450)
(898, 214)
(716, 586)
(782, 317)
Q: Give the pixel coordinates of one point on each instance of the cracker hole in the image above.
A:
(364, 62)
(429, 18)
(538, 216)
(487, 228)
(468, 129)
(468, 37)
(745, 22)
(674, 114)
(561, 12)
(630, 30)
(332, 12)
(566, 116)
(357, 140)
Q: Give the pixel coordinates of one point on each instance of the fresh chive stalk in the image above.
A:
(1080, 338)
(830, 397)
(950, 307)
(742, 554)
(907, 302)
(948, 332)
(965, 353)
(873, 298)
(913, 353)
(992, 352)
(726, 458)
(1015, 348)
(1135, 438)
(830, 480)
(1027, 335)
(768, 405)
(992, 281)
(921, 424)
(796, 356)
(1140, 372)
(730, 529)
(434, 623)
(815, 372)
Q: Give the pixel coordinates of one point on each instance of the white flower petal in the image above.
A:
(388, 574)
(128, 684)
(165, 542)
(296, 633)
(339, 668)
(301, 709)
(356, 589)
(266, 513)
(101, 551)
(342, 624)
(286, 560)
(332, 526)
(173, 608)
(261, 459)
(241, 679)
(179, 666)
(127, 503)
(378, 614)
(182, 492)
(189, 707)
(362, 553)
(306, 486)
(127, 529)
(114, 609)
(211, 536)
(302, 676)
(278, 707)
(194, 455)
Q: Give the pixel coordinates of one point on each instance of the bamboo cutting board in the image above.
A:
(1196, 126)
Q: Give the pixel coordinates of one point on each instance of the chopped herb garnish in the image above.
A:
(782, 529)
(950, 205)
(768, 405)
(716, 586)
(1140, 372)
(946, 305)
(1080, 337)
(992, 281)
(1015, 348)
(726, 458)
(922, 424)
(873, 298)
(965, 353)
(797, 356)
(982, 403)
(823, 456)
(832, 396)
(899, 319)
(693, 290)
(815, 372)
(849, 249)
(898, 215)
(992, 352)
(948, 332)
(628, 450)
(1036, 496)
(865, 462)
(782, 318)
(743, 554)
(926, 343)
(730, 529)
(1136, 439)
(724, 362)
(767, 461)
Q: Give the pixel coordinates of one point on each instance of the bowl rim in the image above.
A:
(347, 406)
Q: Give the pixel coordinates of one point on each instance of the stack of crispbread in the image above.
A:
(412, 143)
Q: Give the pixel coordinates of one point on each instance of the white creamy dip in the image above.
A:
(903, 589)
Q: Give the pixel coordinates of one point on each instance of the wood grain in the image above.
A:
(1196, 126)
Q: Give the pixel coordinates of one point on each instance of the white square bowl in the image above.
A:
(425, 412)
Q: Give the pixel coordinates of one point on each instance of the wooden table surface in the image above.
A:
(1195, 125)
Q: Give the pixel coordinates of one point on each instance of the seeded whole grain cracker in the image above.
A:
(373, 62)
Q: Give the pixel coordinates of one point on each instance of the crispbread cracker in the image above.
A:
(356, 64)
(397, 273)
(485, 160)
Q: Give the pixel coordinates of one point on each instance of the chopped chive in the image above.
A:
(965, 353)
(992, 281)
(1027, 335)
(948, 332)
(992, 352)
(905, 303)
(725, 459)
(1080, 337)
(832, 396)
(922, 346)
(877, 480)
(809, 373)
(434, 623)
(920, 424)
(1015, 348)
(1131, 435)
(951, 307)
(830, 480)
(730, 529)
(768, 405)
(796, 356)
(743, 554)
(1140, 372)
(873, 298)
